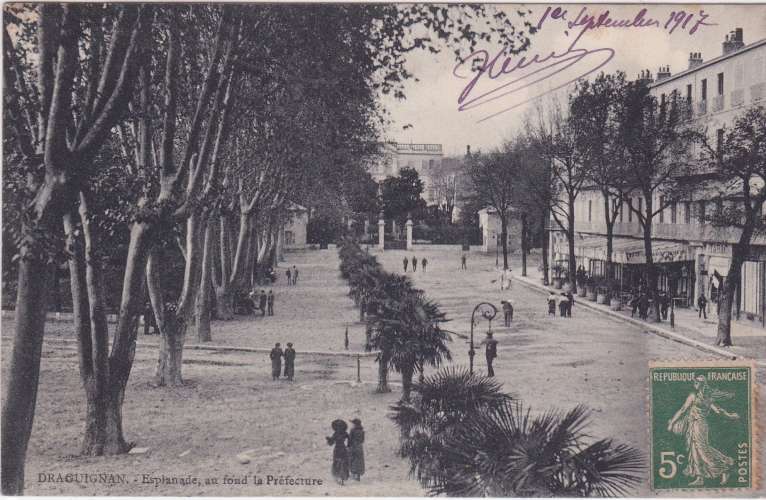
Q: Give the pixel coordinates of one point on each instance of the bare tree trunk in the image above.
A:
(545, 242)
(523, 244)
(609, 237)
(224, 303)
(171, 351)
(731, 283)
(24, 370)
(383, 360)
(571, 242)
(504, 236)
(651, 269)
(202, 305)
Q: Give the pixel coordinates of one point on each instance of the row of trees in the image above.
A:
(180, 132)
(402, 323)
(643, 155)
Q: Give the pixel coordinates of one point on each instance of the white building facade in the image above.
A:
(692, 256)
(426, 159)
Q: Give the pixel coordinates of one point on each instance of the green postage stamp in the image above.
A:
(703, 425)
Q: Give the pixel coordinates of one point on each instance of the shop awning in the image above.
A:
(662, 251)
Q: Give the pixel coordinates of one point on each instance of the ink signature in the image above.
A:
(530, 70)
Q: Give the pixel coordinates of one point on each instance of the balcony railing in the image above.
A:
(718, 102)
(420, 148)
(757, 92)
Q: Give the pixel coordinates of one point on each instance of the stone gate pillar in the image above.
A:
(408, 225)
(381, 232)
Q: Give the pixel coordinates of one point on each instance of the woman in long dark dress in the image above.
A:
(356, 449)
(340, 452)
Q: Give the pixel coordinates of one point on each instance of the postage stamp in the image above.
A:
(703, 425)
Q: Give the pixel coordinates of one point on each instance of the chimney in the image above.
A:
(733, 41)
(695, 59)
(663, 72)
(645, 76)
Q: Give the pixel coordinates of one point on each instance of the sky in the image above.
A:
(494, 109)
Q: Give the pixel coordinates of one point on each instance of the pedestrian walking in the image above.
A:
(552, 304)
(289, 275)
(255, 298)
(356, 449)
(263, 300)
(289, 362)
(643, 306)
(423, 264)
(339, 452)
(633, 305)
(507, 311)
(570, 305)
(414, 264)
(270, 303)
(702, 306)
(276, 361)
(491, 353)
(502, 277)
(563, 305)
(664, 304)
(405, 263)
(463, 259)
(295, 275)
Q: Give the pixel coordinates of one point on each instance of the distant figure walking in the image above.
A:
(405, 263)
(289, 275)
(339, 452)
(633, 305)
(289, 362)
(570, 299)
(295, 275)
(356, 449)
(414, 263)
(552, 304)
(702, 305)
(463, 259)
(491, 353)
(643, 306)
(270, 303)
(507, 311)
(262, 302)
(664, 305)
(276, 361)
(563, 305)
(423, 264)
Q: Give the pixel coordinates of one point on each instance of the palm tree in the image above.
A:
(406, 329)
(439, 405)
(506, 451)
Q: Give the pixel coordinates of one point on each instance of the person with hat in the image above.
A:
(507, 311)
(491, 353)
(356, 449)
(270, 303)
(405, 263)
(339, 452)
(289, 362)
(276, 361)
(263, 299)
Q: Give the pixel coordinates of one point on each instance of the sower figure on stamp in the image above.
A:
(491, 353)
(340, 452)
(289, 362)
(356, 449)
(276, 361)
(691, 420)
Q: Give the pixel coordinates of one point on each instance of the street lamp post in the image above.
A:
(496, 245)
(488, 311)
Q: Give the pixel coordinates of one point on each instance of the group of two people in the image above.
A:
(641, 302)
(348, 451)
(262, 301)
(565, 302)
(292, 275)
(423, 264)
(276, 356)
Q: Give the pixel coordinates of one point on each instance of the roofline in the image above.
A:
(709, 63)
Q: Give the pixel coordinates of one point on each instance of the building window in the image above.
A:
(640, 206)
(289, 238)
(702, 212)
(687, 212)
(673, 207)
(590, 210)
(622, 206)
(689, 94)
(662, 209)
(630, 210)
(703, 93)
(720, 83)
(662, 102)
